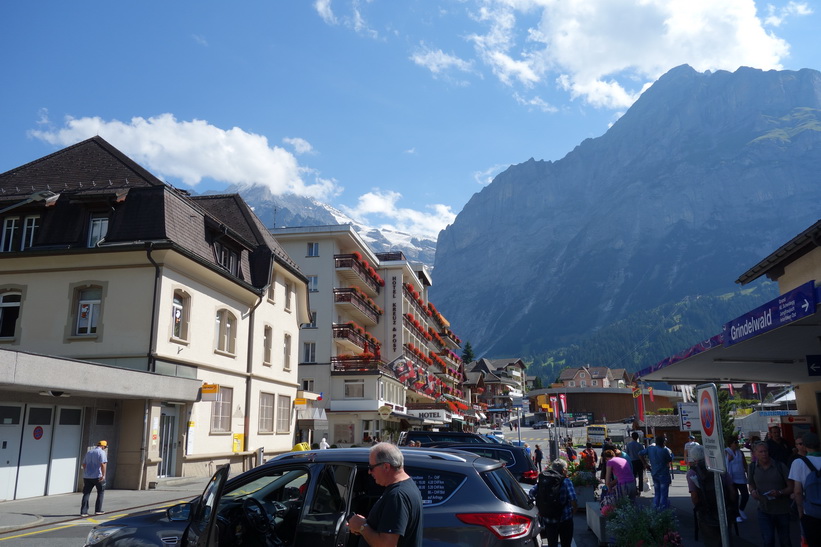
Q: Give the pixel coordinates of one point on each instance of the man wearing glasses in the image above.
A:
(396, 518)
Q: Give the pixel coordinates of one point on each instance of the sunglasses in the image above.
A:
(374, 466)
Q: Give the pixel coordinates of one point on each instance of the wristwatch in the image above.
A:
(362, 528)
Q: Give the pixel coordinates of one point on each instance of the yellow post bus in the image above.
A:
(596, 434)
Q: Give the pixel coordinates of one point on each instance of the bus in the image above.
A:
(596, 434)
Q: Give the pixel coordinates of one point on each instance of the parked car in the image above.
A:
(496, 440)
(577, 422)
(629, 420)
(544, 424)
(304, 499)
(497, 433)
(515, 458)
(426, 437)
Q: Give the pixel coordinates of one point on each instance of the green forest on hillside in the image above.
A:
(647, 337)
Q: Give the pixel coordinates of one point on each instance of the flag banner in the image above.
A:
(650, 392)
(730, 387)
(563, 400)
(755, 388)
(640, 403)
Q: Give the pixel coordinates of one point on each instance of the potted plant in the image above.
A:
(628, 524)
(584, 482)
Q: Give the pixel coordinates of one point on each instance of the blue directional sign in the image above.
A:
(790, 306)
(813, 365)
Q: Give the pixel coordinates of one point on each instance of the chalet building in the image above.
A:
(496, 383)
(380, 353)
(120, 298)
(597, 377)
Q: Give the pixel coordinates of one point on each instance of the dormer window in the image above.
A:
(97, 229)
(227, 258)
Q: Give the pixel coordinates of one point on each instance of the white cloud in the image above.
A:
(439, 62)
(354, 21)
(776, 16)
(382, 206)
(200, 40)
(323, 8)
(486, 177)
(300, 146)
(193, 150)
(606, 52)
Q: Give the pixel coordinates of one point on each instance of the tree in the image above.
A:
(537, 383)
(467, 353)
(727, 422)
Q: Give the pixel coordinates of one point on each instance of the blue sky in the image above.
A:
(395, 111)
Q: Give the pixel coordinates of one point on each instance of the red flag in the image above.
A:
(650, 392)
(640, 404)
(755, 388)
(730, 387)
(563, 400)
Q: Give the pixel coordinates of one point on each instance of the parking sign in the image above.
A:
(711, 433)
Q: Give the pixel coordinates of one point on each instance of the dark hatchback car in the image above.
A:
(304, 499)
(515, 458)
(441, 437)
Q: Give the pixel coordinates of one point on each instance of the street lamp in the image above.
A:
(43, 195)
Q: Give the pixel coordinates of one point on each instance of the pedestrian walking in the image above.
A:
(557, 519)
(778, 447)
(571, 452)
(632, 449)
(701, 485)
(94, 468)
(691, 442)
(807, 489)
(769, 486)
(396, 517)
(323, 444)
(737, 470)
(659, 457)
(538, 456)
(589, 458)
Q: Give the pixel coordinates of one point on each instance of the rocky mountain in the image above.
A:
(293, 210)
(705, 175)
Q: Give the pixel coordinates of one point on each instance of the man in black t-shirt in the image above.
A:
(779, 449)
(396, 518)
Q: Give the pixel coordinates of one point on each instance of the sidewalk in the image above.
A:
(22, 514)
(749, 535)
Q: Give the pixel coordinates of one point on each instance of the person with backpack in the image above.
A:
(805, 473)
(556, 501)
(771, 489)
(589, 458)
(701, 484)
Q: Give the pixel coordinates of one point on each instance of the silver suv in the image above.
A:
(304, 499)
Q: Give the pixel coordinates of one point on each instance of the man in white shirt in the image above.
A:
(799, 473)
(94, 468)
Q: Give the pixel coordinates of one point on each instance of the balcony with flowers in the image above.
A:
(415, 327)
(417, 354)
(358, 304)
(363, 363)
(354, 338)
(454, 341)
(355, 270)
(415, 300)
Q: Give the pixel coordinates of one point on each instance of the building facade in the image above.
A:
(380, 353)
(120, 298)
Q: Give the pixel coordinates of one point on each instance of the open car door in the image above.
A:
(201, 531)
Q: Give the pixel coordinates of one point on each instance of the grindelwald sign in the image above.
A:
(790, 306)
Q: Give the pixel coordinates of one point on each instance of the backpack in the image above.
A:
(548, 494)
(812, 490)
(589, 459)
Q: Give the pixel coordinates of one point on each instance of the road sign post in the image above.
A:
(712, 437)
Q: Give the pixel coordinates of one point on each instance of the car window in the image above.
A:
(331, 491)
(276, 484)
(435, 485)
(492, 453)
(505, 487)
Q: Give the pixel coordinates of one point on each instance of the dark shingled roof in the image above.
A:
(93, 176)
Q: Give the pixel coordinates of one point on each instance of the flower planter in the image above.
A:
(584, 496)
(595, 521)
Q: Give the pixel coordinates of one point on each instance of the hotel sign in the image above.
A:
(432, 414)
(790, 306)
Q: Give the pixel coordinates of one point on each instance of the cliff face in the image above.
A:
(701, 178)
